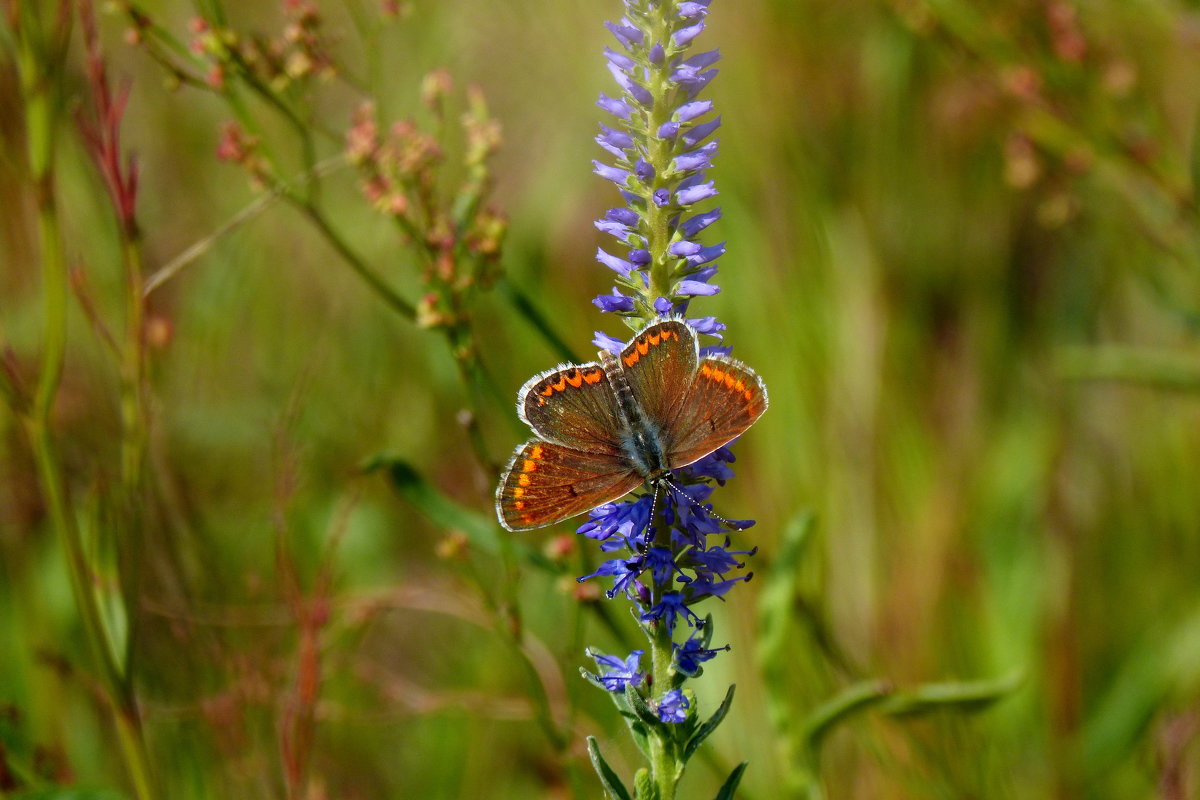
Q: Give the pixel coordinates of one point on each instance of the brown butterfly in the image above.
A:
(602, 429)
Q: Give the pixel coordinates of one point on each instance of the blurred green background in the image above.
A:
(963, 255)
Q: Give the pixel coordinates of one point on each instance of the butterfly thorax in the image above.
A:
(640, 440)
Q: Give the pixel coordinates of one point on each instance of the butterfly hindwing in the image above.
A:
(726, 398)
(547, 483)
(573, 405)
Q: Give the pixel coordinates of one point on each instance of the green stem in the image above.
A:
(39, 98)
(665, 769)
(376, 283)
(133, 401)
(134, 438)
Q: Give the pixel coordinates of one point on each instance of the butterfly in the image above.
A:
(602, 429)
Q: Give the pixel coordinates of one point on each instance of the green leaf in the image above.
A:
(612, 783)
(960, 695)
(481, 531)
(731, 783)
(846, 704)
(709, 726)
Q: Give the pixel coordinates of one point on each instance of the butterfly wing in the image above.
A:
(726, 397)
(547, 483)
(575, 406)
(659, 365)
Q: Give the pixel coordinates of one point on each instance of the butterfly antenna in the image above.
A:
(650, 526)
(696, 504)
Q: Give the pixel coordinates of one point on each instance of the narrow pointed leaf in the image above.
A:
(709, 726)
(846, 704)
(612, 783)
(961, 695)
(731, 783)
(481, 531)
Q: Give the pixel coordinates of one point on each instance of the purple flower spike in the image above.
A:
(666, 550)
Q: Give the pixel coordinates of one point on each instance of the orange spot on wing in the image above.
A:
(575, 378)
(717, 375)
(562, 384)
(528, 465)
(523, 480)
(549, 390)
(519, 505)
(518, 491)
(749, 395)
(729, 380)
(536, 452)
(739, 386)
(642, 347)
(655, 339)
(631, 359)
(594, 376)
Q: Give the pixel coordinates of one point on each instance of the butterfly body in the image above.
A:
(602, 429)
(641, 441)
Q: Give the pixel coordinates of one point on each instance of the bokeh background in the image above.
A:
(962, 252)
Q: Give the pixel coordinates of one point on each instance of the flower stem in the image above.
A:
(665, 770)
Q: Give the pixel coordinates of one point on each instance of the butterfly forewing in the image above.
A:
(659, 364)
(573, 406)
(726, 398)
(546, 483)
